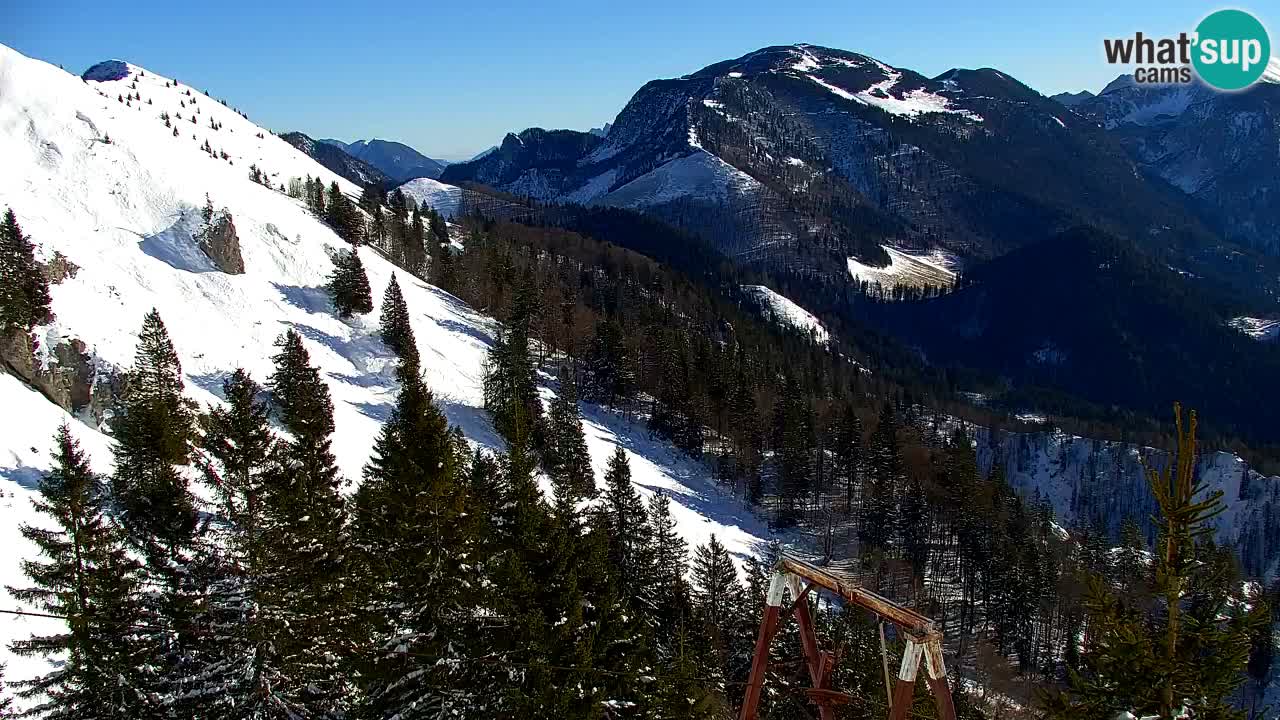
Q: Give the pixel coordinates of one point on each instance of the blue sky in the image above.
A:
(451, 78)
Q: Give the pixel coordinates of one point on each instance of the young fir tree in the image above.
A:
(565, 458)
(153, 429)
(88, 576)
(6, 702)
(414, 536)
(24, 291)
(342, 215)
(397, 331)
(235, 679)
(1188, 655)
(510, 386)
(883, 482)
(349, 285)
(627, 523)
(716, 591)
(307, 594)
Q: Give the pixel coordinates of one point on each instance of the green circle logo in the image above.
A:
(1232, 50)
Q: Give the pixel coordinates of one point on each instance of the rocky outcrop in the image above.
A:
(219, 241)
(67, 376)
(59, 268)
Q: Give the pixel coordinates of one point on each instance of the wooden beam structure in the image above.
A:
(924, 642)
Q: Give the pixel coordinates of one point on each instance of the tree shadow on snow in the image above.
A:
(306, 298)
(24, 475)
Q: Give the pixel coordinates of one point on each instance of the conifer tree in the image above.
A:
(24, 291)
(349, 285)
(233, 680)
(716, 590)
(884, 477)
(1189, 655)
(153, 428)
(397, 331)
(6, 702)
(87, 576)
(627, 524)
(510, 386)
(414, 536)
(307, 595)
(565, 458)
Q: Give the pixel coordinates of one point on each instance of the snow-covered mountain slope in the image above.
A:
(399, 161)
(123, 211)
(740, 152)
(1221, 149)
(788, 312)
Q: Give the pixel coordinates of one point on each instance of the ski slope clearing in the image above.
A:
(444, 199)
(935, 268)
(788, 312)
(1262, 329)
(123, 212)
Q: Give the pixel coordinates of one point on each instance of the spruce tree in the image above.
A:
(6, 702)
(397, 331)
(24, 291)
(566, 459)
(238, 446)
(349, 285)
(307, 594)
(510, 386)
(415, 536)
(716, 590)
(627, 522)
(88, 576)
(153, 429)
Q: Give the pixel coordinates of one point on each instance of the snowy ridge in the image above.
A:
(911, 270)
(788, 312)
(122, 211)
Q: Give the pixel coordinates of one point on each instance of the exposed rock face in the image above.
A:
(1089, 481)
(60, 268)
(66, 378)
(218, 240)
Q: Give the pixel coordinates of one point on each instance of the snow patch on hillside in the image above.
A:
(915, 102)
(935, 267)
(1263, 329)
(444, 199)
(700, 174)
(788, 312)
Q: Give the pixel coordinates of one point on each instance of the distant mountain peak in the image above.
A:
(399, 161)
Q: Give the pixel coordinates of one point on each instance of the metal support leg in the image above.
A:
(760, 661)
(937, 678)
(816, 659)
(906, 684)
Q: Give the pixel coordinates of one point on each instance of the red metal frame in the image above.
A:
(924, 643)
